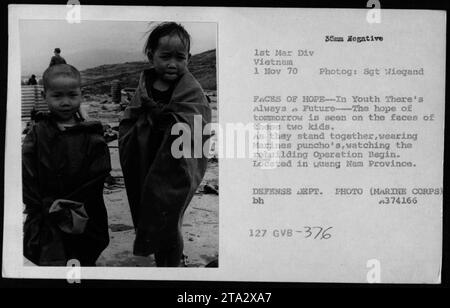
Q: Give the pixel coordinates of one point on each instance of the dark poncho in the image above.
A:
(159, 186)
(71, 165)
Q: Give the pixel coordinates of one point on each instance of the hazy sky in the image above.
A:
(93, 43)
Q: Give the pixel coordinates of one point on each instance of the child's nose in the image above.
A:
(65, 101)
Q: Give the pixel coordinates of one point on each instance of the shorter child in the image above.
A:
(64, 163)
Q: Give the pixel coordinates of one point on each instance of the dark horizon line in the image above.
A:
(93, 67)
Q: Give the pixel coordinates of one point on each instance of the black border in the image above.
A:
(173, 288)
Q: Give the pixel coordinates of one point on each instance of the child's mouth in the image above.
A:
(66, 111)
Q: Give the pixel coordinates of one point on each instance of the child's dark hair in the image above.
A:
(164, 29)
(66, 70)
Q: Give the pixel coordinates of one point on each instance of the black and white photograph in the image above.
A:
(102, 185)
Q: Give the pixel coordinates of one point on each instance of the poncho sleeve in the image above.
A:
(30, 179)
(35, 205)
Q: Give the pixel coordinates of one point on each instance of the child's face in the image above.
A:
(170, 59)
(63, 96)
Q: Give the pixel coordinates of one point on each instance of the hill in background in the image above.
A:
(97, 80)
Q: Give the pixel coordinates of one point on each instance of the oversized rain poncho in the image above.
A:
(63, 173)
(160, 186)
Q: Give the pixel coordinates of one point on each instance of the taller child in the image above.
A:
(160, 186)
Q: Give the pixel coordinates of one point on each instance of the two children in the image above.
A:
(160, 186)
(65, 161)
